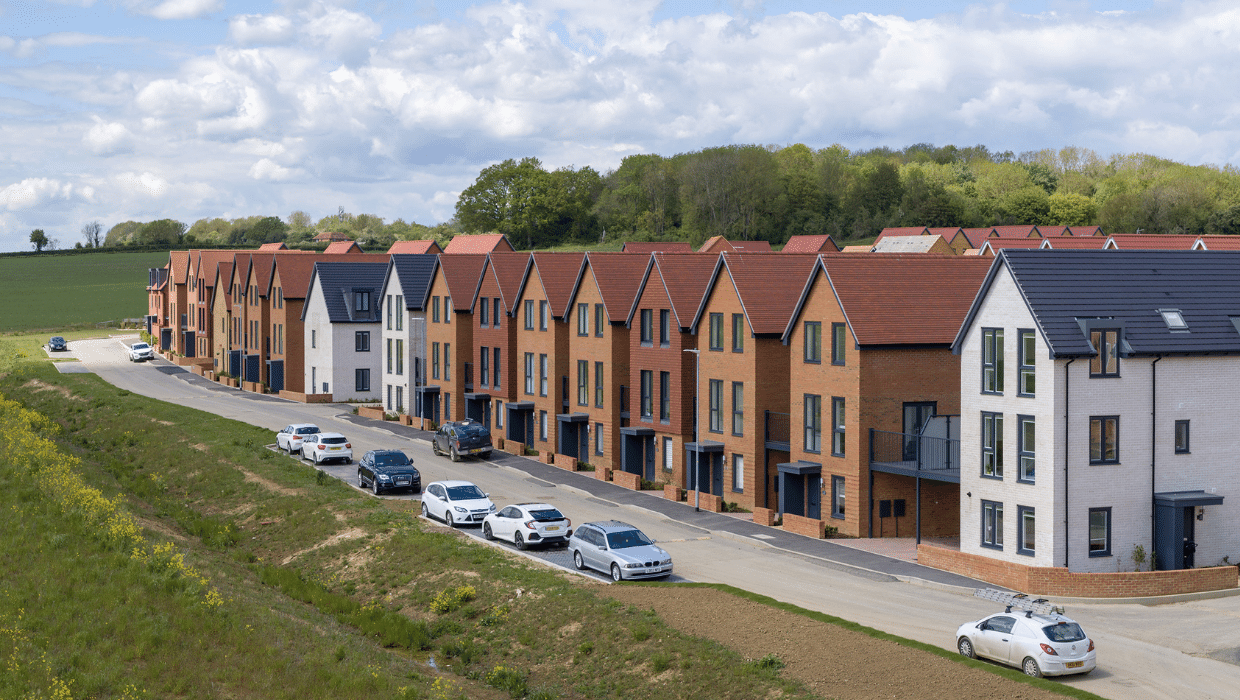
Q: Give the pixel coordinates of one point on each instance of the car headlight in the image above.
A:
(459, 509)
(632, 566)
(384, 477)
(666, 562)
(492, 508)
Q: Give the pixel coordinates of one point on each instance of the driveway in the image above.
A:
(1169, 652)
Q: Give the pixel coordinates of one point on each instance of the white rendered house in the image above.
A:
(403, 296)
(342, 330)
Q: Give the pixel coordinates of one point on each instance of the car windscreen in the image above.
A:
(465, 493)
(546, 514)
(136, 346)
(1064, 632)
(626, 539)
(333, 441)
(391, 459)
(57, 339)
(307, 431)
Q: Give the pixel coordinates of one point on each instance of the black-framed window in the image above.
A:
(716, 331)
(447, 362)
(738, 332)
(361, 300)
(361, 377)
(542, 426)
(647, 327)
(1104, 439)
(992, 445)
(647, 403)
(992, 524)
(600, 320)
(583, 382)
(484, 312)
(665, 327)
(361, 341)
(598, 438)
(1026, 433)
(837, 497)
(1181, 437)
(529, 314)
(389, 312)
(484, 366)
(813, 423)
(496, 312)
(583, 319)
(495, 368)
(838, 334)
(389, 355)
(716, 405)
(837, 426)
(598, 384)
(738, 473)
(1026, 345)
(1100, 532)
(542, 375)
(669, 451)
(400, 312)
(813, 341)
(447, 309)
(1026, 530)
(434, 360)
(738, 408)
(434, 309)
(529, 373)
(1106, 343)
(665, 396)
(992, 360)
(544, 312)
(400, 356)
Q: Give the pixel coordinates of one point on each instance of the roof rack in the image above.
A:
(1020, 601)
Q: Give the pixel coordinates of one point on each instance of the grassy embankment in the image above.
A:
(67, 291)
(152, 550)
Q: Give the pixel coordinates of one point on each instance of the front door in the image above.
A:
(647, 444)
(916, 413)
(1190, 541)
(813, 496)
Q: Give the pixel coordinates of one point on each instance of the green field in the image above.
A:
(62, 291)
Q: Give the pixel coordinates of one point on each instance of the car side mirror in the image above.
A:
(602, 548)
(983, 626)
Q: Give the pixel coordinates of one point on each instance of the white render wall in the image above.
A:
(319, 353)
(413, 332)
(335, 359)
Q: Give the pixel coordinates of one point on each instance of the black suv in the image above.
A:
(465, 437)
(387, 470)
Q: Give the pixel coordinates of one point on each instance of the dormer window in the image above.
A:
(361, 300)
(1105, 363)
(1174, 320)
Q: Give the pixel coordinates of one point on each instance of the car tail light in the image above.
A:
(530, 524)
(1091, 645)
(348, 446)
(568, 523)
(322, 447)
(1049, 649)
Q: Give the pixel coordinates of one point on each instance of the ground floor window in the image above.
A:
(667, 454)
(598, 438)
(837, 497)
(1027, 522)
(738, 473)
(992, 524)
(1099, 532)
(389, 397)
(499, 414)
(542, 426)
(362, 379)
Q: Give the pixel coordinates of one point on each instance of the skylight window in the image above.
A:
(1174, 319)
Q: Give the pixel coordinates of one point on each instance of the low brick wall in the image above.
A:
(627, 480)
(228, 381)
(673, 493)
(801, 525)
(196, 369)
(1057, 581)
(252, 386)
(404, 419)
(199, 362)
(565, 462)
(374, 412)
(764, 516)
(602, 473)
(304, 398)
(498, 443)
(515, 448)
(209, 374)
(547, 457)
(705, 501)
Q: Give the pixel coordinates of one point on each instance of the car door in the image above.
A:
(506, 522)
(367, 467)
(995, 638)
(282, 437)
(591, 554)
(436, 503)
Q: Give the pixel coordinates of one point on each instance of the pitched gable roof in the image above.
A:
(684, 277)
(1021, 231)
(948, 233)
(646, 247)
(223, 279)
(751, 246)
(976, 236)
(912, 244)
(768, 285)
(178, 262)
(618, 276)
(1087, 231)
(418, 247)
(295, 273)
(342, 248)
(893, 299)
(823, 243)
(414, 271)
(479, 243)
(509, 270)
(1220, 242)
(1150, 241)
(902, 231)
(857, 249)
(338, 279)
(996, 244)
(1127, 287)
(558, 272)
(261, 267)
(461, 274)
(715, 244)
(1054, 231)
(273, 246)
(1074, 243)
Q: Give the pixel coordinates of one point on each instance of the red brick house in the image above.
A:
(495, 336)
(449, 337)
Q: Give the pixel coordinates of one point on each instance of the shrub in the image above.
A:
(770, 662)
(660, 662)
(451, 599)
(507, 679)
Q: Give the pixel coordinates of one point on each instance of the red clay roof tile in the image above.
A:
(618, 276)
(823, 243)
(1076, 243)
(461, 273)
(1152, 241)
(1021, 231)
(558, 272)
(423, 247)
(769, 286)
(342, 248)
(902, 231)
(685, 277)
(645, 247)
(479, 243)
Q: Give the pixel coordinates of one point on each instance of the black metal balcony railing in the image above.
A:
(914, 452)
(777, 431)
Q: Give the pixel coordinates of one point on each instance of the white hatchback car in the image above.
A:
(320, 447)
(1040, 643)
(456, 502)
(528, 524)
(290, 436)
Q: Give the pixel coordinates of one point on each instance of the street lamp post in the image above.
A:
(697, 420)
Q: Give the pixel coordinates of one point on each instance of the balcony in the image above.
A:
(920, 456)
(777, 431)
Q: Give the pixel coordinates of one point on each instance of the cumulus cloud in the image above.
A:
(267, 169)
(248, 30)
(108, 138)
(146, 184)
(177, 9)
(33, 192)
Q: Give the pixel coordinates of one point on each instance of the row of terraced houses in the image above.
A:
(873, 395)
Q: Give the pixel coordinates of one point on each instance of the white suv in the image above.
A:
(140, 351)
(321, 447)
(456, 502)
(290, 437)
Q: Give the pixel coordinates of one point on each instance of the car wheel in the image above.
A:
(447, 519)
(486, 532)
(375, 485)
(317, 460)
(425, 513)
(518, 540)
(615, 573)
(966, 648)
(348, 460)
(1030, 667)
(455, 456)
(486, 455)
(434, 448)
(361, 483)
(577, 562)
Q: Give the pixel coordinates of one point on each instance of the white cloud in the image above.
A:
(146, 184)
(33, 192)
(267, 169)
(108, 138)
(178, 9)
(249, 30)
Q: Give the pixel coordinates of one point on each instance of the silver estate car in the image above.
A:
(618, 549)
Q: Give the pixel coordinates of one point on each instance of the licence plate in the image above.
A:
(552, 527)
(336, 449)
(1074, 664)
(474, 450)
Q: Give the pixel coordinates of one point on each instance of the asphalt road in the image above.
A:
(1175, 651)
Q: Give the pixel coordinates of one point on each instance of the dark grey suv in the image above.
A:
(464, 437)
(388, 470)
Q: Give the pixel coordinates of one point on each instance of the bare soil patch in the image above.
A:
(350, 534)
(38, 386)
(834, 662)
(268, 484)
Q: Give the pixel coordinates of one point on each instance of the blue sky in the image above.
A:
(144, 109)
